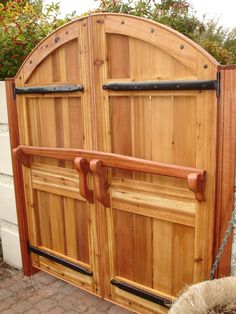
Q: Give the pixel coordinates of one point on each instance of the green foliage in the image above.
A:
(23, 24)
(179, 15)
(218, 41)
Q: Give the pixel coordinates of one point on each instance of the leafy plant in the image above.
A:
(179, 15)
(23, 24)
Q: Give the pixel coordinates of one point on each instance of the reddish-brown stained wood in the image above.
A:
(18, 180)
(124, 162)
(82, 167)
(226, 163)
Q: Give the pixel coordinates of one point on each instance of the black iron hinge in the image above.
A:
(48, 89)
(166, 85)
(218, 77)
(141, 293)
(59, 260)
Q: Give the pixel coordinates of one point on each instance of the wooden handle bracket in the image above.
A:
(197, 184)
(82, 167)
(20, 156)
(100, 182)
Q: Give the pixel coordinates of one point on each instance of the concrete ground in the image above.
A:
(43, 293)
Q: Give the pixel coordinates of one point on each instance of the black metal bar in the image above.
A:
(218, 85)
(141, 293)
(59, 260)
(48, 89)
(162, 85)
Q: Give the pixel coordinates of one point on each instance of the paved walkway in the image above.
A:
(43, 293)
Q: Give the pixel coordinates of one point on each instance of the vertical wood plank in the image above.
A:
(141, 111)
(183, 257)
(76, 124)
(184, 131)
(118, 54)
(72, 62)
(143, 271)
(57, 223)
(44, 219)
(70, 228)
(120, 117)
(124, 243)
(18, 179)
(226, 163)
(81, 214)
(163, 256)
(100, 134)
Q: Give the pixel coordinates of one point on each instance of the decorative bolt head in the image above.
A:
(122, 22)
(181, 46)
(205, 66)
(152, 30)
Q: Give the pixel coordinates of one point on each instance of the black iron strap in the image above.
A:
(59, 260)
(141, 293)
(162, 85)
(48, 89)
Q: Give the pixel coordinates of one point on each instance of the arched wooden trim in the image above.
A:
(178, 46)
(53, 41)
(182, 48)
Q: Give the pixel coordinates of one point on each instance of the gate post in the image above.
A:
(18, 179)
(226, 156)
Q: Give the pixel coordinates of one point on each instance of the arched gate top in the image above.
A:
(164, 38)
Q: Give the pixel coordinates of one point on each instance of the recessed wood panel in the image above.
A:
(59, 117)
(62, 65)
(148, 62)
(63, 225)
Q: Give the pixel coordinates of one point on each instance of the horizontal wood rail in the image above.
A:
(196, 178)
(48, 89)
(162, 85)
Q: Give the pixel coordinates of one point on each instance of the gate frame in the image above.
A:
(225, 171)
(226, 164)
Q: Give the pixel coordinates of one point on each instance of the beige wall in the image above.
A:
(8, 220)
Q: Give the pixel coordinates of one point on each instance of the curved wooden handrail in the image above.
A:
(195, 177)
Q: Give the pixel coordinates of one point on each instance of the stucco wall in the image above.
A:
(8, 219)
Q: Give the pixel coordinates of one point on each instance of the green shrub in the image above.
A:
(23, 24)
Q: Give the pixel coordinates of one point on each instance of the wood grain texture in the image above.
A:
(18, 179)
(226, 163)
(147, 152)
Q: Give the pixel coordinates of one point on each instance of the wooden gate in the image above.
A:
(117, 122)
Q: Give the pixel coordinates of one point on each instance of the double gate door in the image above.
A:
(117, 124)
